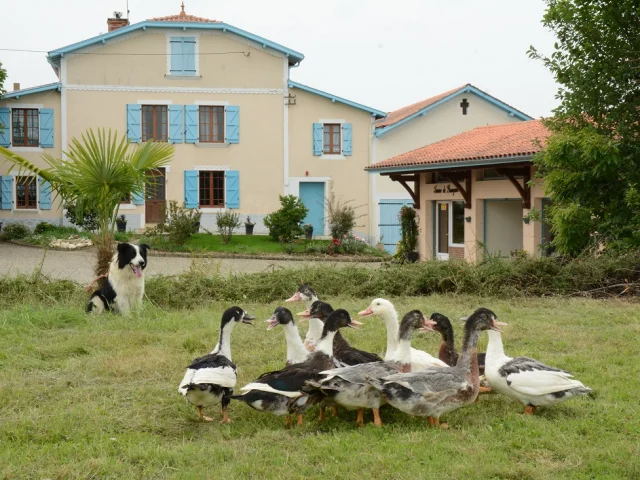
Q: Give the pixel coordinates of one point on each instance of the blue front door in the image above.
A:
(389, 223)
(312, 195)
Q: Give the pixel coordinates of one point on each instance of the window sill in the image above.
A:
(183, 77)
(127, 206)
(212, 145)
(26, 149)
(332, 157)
(456, 245)
(212, 209)
(25, 210)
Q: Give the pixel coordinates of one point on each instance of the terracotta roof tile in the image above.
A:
(481, 143)
(183, 17)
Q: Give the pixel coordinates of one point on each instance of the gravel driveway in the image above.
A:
(78, 265)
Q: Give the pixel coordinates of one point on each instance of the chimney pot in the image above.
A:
(16, 86)
(116, 23)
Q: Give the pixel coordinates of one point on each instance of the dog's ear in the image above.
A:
(122, 246)
(145, 246)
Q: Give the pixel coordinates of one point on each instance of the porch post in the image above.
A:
(425, 224)
(474, 230)
(532, 232)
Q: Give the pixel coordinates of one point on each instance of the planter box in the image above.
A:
(122, 226)
(412, 257)
(248, 229)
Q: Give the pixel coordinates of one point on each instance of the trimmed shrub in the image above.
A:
(14, 231)
(285, 224)
(341, 215)
(89, 221)
(408, 229)
(178, 222)
(44, 227)
(227, 222)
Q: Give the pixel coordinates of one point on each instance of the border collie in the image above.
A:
(123, 288)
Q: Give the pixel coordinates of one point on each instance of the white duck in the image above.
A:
(527, 380)
(308, 295)
(210, 379)
(384, 309)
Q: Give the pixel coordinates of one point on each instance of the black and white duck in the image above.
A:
(527, 380)
(386, 311)
(308, 295)
(350, 386)
(296, 353)
(343, 353)
(435, 391)
(287, 384)
(210, 379)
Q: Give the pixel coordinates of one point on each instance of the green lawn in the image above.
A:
(247, 244)
(83, 397)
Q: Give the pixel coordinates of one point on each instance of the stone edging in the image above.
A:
(225, 255)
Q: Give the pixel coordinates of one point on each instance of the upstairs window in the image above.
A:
(331, 143)
(26, 127)
(154, 123)
(182, 52)
(26, 196)
(211, 124)
(212, 189)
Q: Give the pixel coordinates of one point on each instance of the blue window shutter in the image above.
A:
(232, 127)
(191, 188)
(5, 127)
(346, 139)
(7, 192)
(46, 127)
(232, 181)
(189, 56)
(45, 195)
(175, 124)
(133, 122)
(191, 124)
(137, 199)
(176, 56)
(317, 139)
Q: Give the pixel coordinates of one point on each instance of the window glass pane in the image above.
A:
(18, 127)
(218, 189)
(205, 190)
(205, 125)
(161, 124)
(458, 222)
(33, 126)
(443, 227)
(147, 123)
(21, 193)
(218, 124)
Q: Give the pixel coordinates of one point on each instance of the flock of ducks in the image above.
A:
(325, 370)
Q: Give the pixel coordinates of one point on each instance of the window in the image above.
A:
(125, 199)
(457, 223)
(26, 127)
(211, 189)
(211, 124)
(331, 142)
(154, 123)
(26, 188)
(183, 56)
(492, 174)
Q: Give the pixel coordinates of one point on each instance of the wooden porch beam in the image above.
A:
(466, 191)
(524, 190)
(415, 193)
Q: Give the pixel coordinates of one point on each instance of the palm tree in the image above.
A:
(100, 170)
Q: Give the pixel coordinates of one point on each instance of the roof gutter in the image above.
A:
(451, 165)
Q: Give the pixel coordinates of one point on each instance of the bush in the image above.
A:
(284, 224)
(179, 222)
(44, 227)
(227, 222)
(408, 228)
(14, 231)
(353, 244)
(341, 215)
(89, 221)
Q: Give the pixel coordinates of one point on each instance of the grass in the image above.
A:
(246, 244)
(88, 397)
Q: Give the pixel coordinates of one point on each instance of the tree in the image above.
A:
(591, 161)
(99, 171)
(3, 77)
(284, 224)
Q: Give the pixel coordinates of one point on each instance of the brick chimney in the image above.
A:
(16, 86)
(117, 21)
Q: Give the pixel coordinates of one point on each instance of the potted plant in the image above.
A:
(308, 231)
(248, 226)
(409, 233)
(380, 245)
(121, 223)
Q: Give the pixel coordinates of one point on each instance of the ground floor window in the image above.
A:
(26, 196)
(211, 186)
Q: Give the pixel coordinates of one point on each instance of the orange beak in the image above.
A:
(366, 312)
(295, 298)
(496, 325)
(355, 324)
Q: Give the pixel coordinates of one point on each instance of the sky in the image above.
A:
(383, 54)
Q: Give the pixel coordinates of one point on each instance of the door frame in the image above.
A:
(294, 189)
(442, 256)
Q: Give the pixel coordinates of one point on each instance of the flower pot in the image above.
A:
(196, 227)
(308, 234)
(248, 228)
(122, 226)
(411, 257)
(380, 246)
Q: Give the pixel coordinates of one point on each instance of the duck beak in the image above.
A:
(273, 321)
(496, 325)
(427, 325)
(247, 319)
(295, 298)
(306, 315)
(355, 324)
(366, 312)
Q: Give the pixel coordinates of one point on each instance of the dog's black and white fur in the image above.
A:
(123, 288)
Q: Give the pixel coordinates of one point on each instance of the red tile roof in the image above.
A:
(183, 17)
(404, 112)
(517, 139)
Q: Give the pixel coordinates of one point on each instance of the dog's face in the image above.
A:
(133, 257)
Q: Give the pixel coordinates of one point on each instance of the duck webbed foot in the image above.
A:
(322, 415)
(377, 421)
(299, 419)
(435, 422)
(529, 409)
(202, 416)
(360, 419)
(225, 416)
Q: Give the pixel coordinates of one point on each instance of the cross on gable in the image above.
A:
(464, 104)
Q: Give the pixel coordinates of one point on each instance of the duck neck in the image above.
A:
(315, 329)
(494, 347)
(447, 351)
(310, 302)
(295, 348)
(325, 345)
(391, 321)
(223, 347)
(403, 352)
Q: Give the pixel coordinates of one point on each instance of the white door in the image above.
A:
(442, 230)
